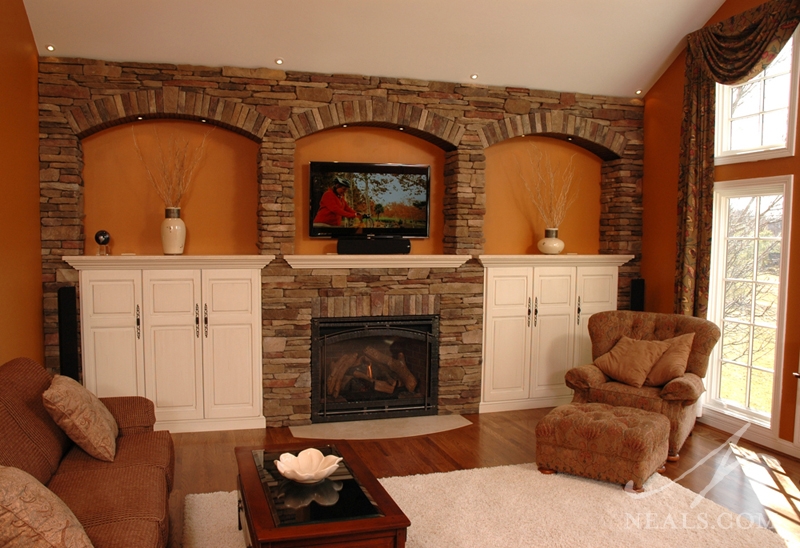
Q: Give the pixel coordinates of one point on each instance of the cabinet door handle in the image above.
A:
(138, 323)
(197, 320)
(535, 311)
(205, 320)
(529, 311)
(579, 310)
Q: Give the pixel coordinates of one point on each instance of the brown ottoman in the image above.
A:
(603, 442)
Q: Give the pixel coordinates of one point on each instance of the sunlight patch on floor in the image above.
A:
(775, 491)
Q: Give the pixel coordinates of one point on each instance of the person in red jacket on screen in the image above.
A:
(333, 206)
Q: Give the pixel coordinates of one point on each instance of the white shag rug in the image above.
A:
(516, 506)
(377, 429)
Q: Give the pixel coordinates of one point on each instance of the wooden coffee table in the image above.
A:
(350, 509)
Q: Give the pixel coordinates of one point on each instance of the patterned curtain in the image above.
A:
(730, 52)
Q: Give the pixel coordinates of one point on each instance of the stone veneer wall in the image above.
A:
(78, 97)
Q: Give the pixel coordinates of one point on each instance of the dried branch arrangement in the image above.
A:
(550, 190)
(175, 166)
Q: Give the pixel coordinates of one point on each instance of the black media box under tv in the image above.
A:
(373, 246)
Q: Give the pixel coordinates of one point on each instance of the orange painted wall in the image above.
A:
(366, 144)
(21, 331)
(512, 225)
(219, 209)
(663, 113)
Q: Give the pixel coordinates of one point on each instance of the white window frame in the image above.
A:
(723, 93)
(723, 190)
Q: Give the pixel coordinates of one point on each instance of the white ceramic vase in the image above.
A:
(550, 244)
(173, 231)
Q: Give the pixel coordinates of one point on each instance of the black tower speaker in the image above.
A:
(68, 332)
(373, 246)
(637, 294)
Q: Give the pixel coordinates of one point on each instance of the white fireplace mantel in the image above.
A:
(166, 262)
(566, 259)
(376, 261)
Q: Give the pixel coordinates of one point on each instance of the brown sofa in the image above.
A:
(677, 399)
(123, 503)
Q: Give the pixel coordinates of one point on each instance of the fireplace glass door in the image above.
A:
(374, 367)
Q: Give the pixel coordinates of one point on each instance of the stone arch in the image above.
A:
(596, 137)
(167, 102)
(443, 131)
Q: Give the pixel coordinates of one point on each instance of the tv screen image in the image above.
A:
(369, 200)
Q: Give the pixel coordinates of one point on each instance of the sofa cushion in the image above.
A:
(104, 498)
(82, 416)
(630, 360)
(619, 394)
(144, 448)
(31, 516)
(606, 328)
(125, 534)
(31, 440)
(672, 364)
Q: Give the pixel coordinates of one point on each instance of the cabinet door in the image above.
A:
(553, 330)
(111, 332)
(597, 291)
(232, 343)
(508, 334)
(173, 344)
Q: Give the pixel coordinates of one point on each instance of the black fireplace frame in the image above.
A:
(323, 410)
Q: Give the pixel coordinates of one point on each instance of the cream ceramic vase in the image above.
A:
(550, 244)
(173, 231)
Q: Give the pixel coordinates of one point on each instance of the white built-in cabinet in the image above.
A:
(536, 310)
(183, 331)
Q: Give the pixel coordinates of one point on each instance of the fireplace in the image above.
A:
(374, 367)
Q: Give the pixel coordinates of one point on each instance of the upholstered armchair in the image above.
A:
(677, 398)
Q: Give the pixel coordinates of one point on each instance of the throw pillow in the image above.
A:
(82, 416)
(672, 364)
(32, 516)
(630, 360)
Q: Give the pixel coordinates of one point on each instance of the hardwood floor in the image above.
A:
(204, 463)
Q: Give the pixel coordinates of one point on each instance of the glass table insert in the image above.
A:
(338, 497)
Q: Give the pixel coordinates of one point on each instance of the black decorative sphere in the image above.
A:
(102, 237)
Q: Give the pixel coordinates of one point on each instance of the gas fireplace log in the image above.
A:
(386, 387)
(397, 365)
(337, 370)
(361, 375)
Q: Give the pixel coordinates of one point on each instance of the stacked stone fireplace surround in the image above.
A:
(79, 97)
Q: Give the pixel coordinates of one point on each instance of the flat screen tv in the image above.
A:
(350, 200)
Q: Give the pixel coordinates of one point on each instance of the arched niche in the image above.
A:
(366, 144)
(512, 224)
(219, 208)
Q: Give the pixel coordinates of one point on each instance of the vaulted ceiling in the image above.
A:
(600, 47)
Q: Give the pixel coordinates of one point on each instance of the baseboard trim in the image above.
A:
(211, 425)
(755, 433)
(537, 403)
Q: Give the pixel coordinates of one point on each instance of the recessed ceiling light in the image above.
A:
(139, 118)
(474, 76)
(204, 120)
(50, 47)
(278, 61)
(638, 92)
(344, 125)
(401, 129)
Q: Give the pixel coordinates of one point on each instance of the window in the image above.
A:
(747, 294)
(756, 120)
